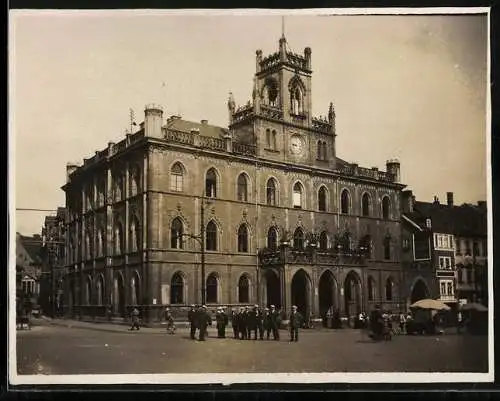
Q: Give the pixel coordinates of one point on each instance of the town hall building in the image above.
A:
(262, 211)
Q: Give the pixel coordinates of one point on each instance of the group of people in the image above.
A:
(246, 322)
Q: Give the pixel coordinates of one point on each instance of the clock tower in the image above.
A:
(279, 118)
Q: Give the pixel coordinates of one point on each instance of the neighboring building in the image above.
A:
(458, 247)
(417, 254)
(28, 269)
(285, 221)
(51, 285)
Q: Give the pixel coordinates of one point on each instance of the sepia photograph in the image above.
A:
(242, 196)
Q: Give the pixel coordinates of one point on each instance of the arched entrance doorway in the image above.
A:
(118, 296)
(273, 290)
(301, 292)
(327, 289)
(352, 294)
(419, 291)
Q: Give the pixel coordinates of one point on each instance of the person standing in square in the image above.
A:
(296, 321)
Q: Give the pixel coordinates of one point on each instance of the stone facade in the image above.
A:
(284, 219)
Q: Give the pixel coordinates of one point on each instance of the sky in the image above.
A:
(404, 86)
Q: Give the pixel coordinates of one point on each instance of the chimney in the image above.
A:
(204, 122)
(449, 198)
(153, 121)
(481, 204)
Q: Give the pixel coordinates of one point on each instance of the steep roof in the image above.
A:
(205, 129)
(465, 220)
(28, 250)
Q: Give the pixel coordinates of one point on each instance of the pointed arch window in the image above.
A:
(273, 140)
(325, 151)
(177, 289)
(243, 238)
(176, 234)
(268, 138)
(345, 202)
(88, 291)
(100, 242)
(322, 199)
(297, 196)
(319, 155)
(296, 100)
(118, 188)
(242, 190)
(387, 248)
(243, 289)
(272, 238)
(177, 178)
(211, 236)
(212, 285)
(135, 239)
(118, 240)
(271, 192)
(386, 207)
(99, 289)
(101, 192)
(211, 184)
(134, 289)
(323, 241)
(365, 205)
(298, 239)
(135, 180)
(389, 286)
(371, 289)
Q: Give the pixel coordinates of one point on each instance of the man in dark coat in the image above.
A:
(252, 323)
(275, 323)
(204, 320)
(260, 322)
(242, 324)
(267, 324)
(192, 321)
(234, 323)
(296, 321)
(376, 322)
(222, 321)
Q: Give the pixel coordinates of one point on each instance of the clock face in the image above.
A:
(297, 145)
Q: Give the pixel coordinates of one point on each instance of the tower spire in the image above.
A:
(283, 27)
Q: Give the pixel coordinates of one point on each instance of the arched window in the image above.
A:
(88, 246)
(118, 239)
(319, 155)
(243, 289)
(271, 92)
(389, 284)
(268, 138)
(101, 192)
(212, 289)
(273, 140)
(345, 201)
(365, 205)
(325, 151)
(88, 291)
(386, 207)
(322, 199)
(271, 192)
(177, 178)
(323, 241)
(211, 236)
(371, 289)
(297, 196)
(387, 248)
(134, 289)
(211, 184)
(296, 100)
(272, 238)
(176, 232)
(177, 289)
(298, 239)
(135, 180)
(243, 238)
(99, 289)
(135, 237)
(242, 191)
(118, 188)
(100, 242)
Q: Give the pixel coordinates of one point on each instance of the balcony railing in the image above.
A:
(243, 149)
(321, 125)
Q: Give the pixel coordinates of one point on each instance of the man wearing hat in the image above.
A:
(234, 323)
(260, 322)
(296, 321)
(222, 321)
(192, 321)
(267, 323)
(204, 320)
(242, 323)
(275, 323)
